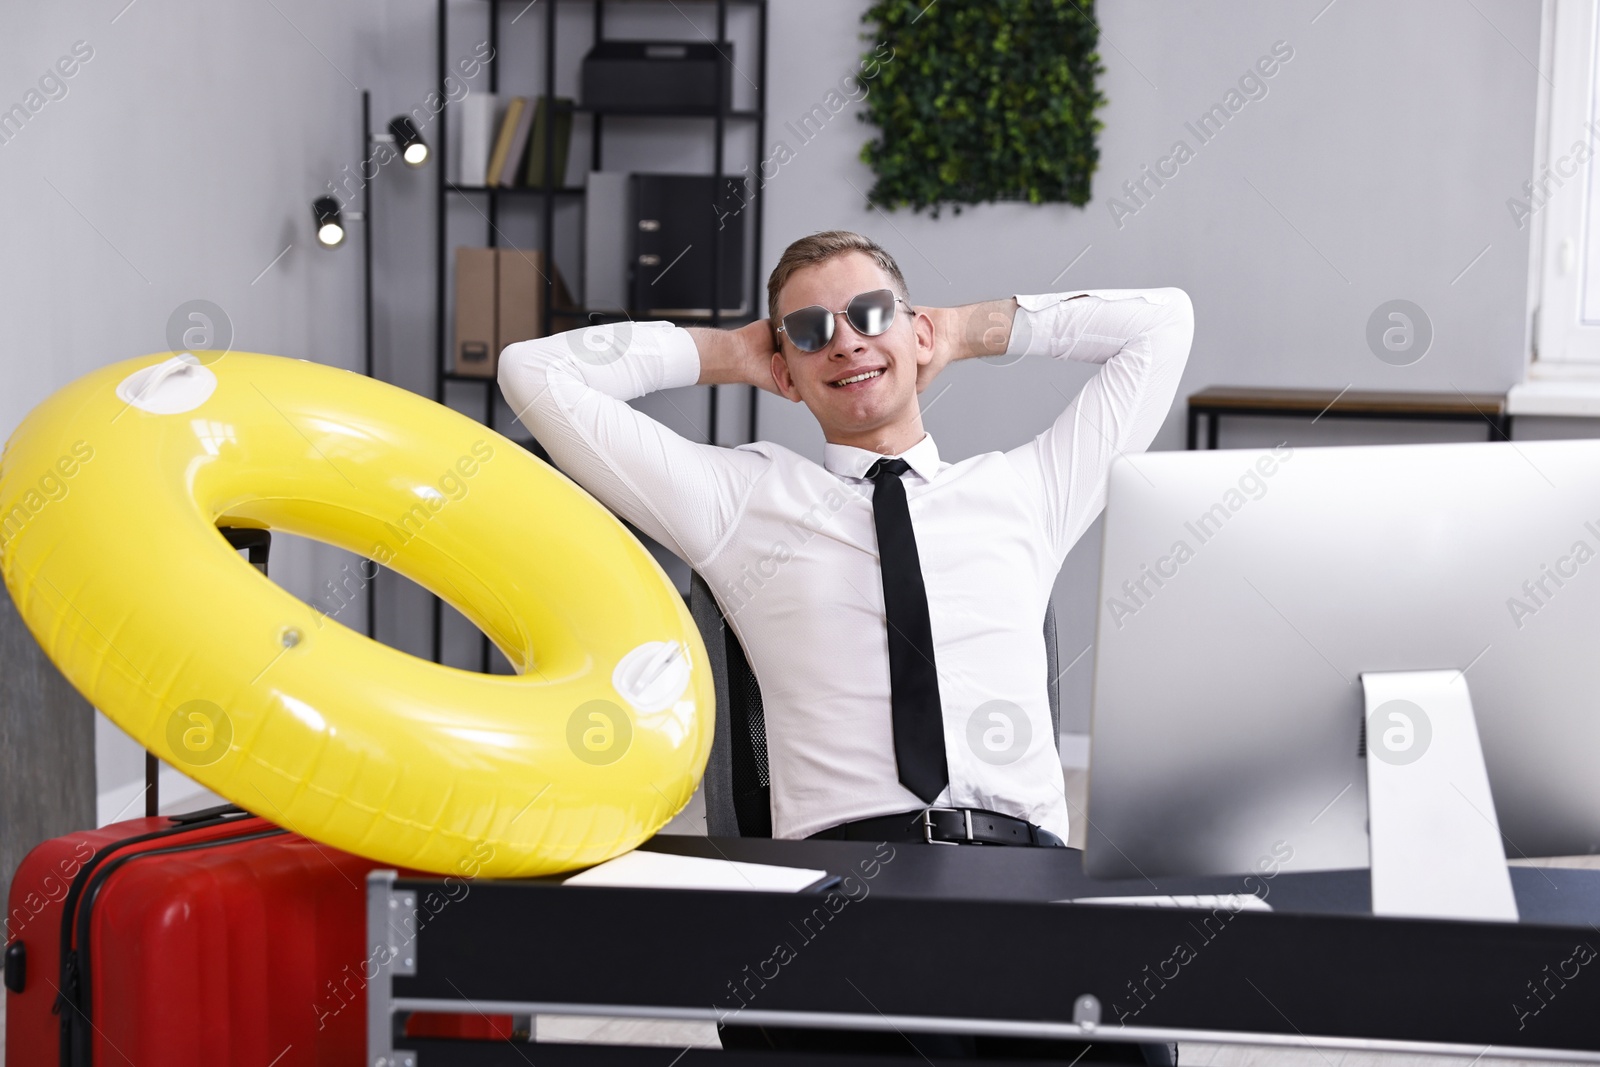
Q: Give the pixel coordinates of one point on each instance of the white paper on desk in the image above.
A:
(663, 870)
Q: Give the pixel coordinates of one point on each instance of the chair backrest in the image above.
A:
(738, 793)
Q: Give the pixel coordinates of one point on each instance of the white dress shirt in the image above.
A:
(789, 548)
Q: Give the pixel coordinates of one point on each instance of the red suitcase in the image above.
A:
(214, 938)
(210, 939)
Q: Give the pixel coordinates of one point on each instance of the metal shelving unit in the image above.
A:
(554, 320)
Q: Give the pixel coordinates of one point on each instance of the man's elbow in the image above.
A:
(516, 359)
(1180, 307)
(524, 369)
(1178, 322)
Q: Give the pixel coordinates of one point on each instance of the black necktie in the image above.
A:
(913, 682)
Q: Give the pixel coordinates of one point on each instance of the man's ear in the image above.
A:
(780, 376)
(926, 335)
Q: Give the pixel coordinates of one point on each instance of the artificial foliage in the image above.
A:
(982, 100)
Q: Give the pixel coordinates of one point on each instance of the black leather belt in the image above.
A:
(945, 826)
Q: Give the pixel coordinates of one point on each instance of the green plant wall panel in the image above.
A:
(981, 101)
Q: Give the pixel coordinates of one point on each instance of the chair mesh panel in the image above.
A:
(752, 790)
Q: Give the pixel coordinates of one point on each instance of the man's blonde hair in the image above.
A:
(821, 247)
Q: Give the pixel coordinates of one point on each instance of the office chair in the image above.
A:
(737, 789)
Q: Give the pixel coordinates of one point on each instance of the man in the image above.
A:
(892, 613)
(896, 685)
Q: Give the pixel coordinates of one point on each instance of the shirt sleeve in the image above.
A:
(571, 391)
(1141, 339)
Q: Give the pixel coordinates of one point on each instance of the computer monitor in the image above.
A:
(1245, 593)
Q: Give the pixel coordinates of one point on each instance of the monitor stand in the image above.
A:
(1434, 836)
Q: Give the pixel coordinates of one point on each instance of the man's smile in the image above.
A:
(859, 380)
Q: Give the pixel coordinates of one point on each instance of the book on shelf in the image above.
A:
(477, 130)
(538, 175)
(502, 142)
(512, 169)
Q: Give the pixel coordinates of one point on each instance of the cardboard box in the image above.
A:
(476, 346)
(499, 301)
(521, 292)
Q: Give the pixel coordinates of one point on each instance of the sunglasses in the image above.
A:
(872, 313)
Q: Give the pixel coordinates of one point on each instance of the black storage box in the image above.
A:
(676, 220)
(657, 76)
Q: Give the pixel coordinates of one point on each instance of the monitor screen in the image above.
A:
(1243, 593)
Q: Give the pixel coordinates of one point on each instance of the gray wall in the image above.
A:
(184, 155)
(1375, 167)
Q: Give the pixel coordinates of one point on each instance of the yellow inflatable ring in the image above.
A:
(111, 492)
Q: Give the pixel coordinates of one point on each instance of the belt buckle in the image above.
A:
(927, 825)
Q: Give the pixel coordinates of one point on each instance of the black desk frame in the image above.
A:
(942, 964)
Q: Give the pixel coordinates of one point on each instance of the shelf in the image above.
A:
(616, 315)
(564, 104)
(554, 202)
(517, 190)
(749, 114)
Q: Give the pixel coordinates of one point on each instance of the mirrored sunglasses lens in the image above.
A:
(872, 313)
(809, 328)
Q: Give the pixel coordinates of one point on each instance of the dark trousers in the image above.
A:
(949, 1046)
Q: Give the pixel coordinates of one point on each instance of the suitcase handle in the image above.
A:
(221, 811)
(257, 545)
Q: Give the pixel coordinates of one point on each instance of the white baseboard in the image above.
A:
(177, 792)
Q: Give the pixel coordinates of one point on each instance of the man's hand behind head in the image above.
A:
(966, 332)
(761, 345)
(741, 356)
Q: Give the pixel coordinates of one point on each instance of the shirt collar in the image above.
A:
(852, 462)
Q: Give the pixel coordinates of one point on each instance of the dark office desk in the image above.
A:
(966, 940)
(1216, 401)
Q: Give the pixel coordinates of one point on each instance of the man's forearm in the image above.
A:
(725, 356)
(981, 329)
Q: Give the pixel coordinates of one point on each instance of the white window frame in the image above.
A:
(1565, 193)
(1562, 374)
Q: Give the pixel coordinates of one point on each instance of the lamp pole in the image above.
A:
(367, 141)
(331, 219)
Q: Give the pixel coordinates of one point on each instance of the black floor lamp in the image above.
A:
(331, 217)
